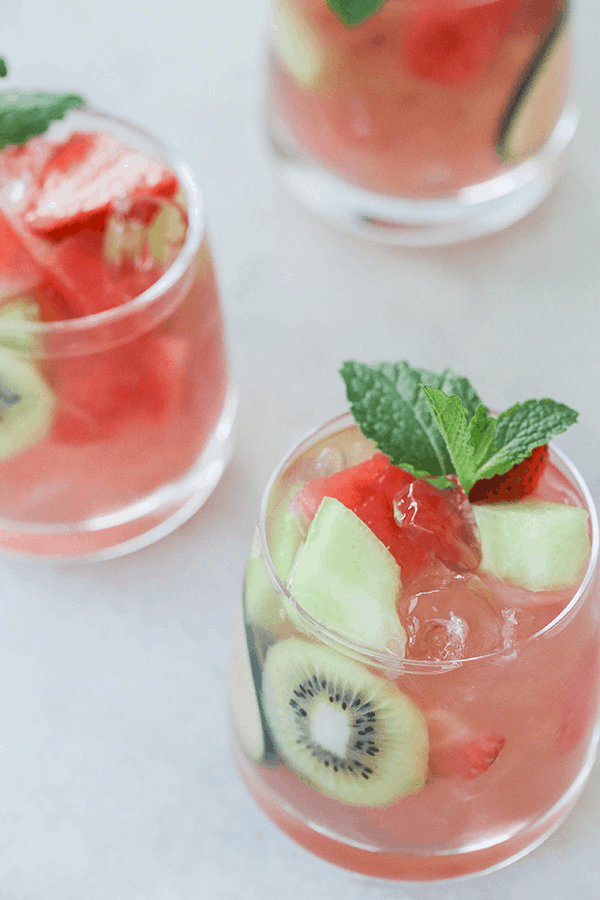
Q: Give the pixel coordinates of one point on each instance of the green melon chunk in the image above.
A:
(13, 314)
(347, 580)
(301, 51)
(263, 602)
(534, 544)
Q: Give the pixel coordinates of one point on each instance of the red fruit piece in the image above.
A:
(368, 489)
(475, 757)
(99, 393)
(350, 486)
(78, 270)
(84, 175)
(455, 749)
(447, 42)
(19, 271)
(442, 521)
(515, 484)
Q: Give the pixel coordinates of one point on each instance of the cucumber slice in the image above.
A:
(301, 51)
(535, 106)
(26, 405)
(347, 580)
(534, 544)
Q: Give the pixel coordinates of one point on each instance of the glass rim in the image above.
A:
(193, 240)
(387, 659)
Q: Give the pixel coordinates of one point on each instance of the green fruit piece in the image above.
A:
(343, 730)
(347, 580)
(301, 51)
(13, 314)
(534, 544)
(166, 234)
(244, 689)
(26, 405)
(263, 602)
(244, 705)
(538, 99)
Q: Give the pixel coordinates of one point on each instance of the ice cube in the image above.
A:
(441, 521)
(329, 461)
(450, 616)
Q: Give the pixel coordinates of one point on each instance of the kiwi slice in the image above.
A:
(26, 405)
(18, 312)
(534, 544)
(347, 580)
(343, 730)
(535, 105)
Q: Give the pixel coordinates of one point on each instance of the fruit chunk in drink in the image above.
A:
(425, 683)
(113, 367)
(421, 98)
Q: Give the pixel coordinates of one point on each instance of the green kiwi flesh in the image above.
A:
(343, 730)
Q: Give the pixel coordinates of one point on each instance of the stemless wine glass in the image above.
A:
(420, 121)
(411, 769)
(117, 424)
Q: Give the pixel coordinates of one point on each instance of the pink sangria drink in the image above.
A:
(416, 668)
(411, 120)
(117, 407)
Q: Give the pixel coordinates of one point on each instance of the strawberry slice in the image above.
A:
(473, 758)
(454, 749)
(515, 484)
(84, 175)
(449, 43)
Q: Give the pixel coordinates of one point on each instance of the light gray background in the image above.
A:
(115, 775)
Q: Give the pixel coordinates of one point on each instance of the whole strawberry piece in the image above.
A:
(515, 484)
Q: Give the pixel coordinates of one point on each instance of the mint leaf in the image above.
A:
(452, 419)
(24, 114)
(521, 429)
(436, 425)
(351, 12)
(388, 404)
(3, 68)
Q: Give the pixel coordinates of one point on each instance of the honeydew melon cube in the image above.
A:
(534, 544)
(263, 602)
(347, 580)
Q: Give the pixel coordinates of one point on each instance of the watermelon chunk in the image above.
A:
(19, 271)
(414, 520)
(99, 393)
(77, 268)
(84, 175)
(368, 489)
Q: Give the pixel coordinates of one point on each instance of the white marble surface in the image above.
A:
(115, 775)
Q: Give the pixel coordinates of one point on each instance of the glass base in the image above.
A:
(465, 862)
(140, 524)
(471, 212)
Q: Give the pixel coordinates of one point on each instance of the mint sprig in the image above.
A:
(3, 68)
(436, 425)
(351, 12)
(24, 114)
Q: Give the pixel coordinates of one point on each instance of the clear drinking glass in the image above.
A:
(428, 121)
(124, 417)
(511, 734)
